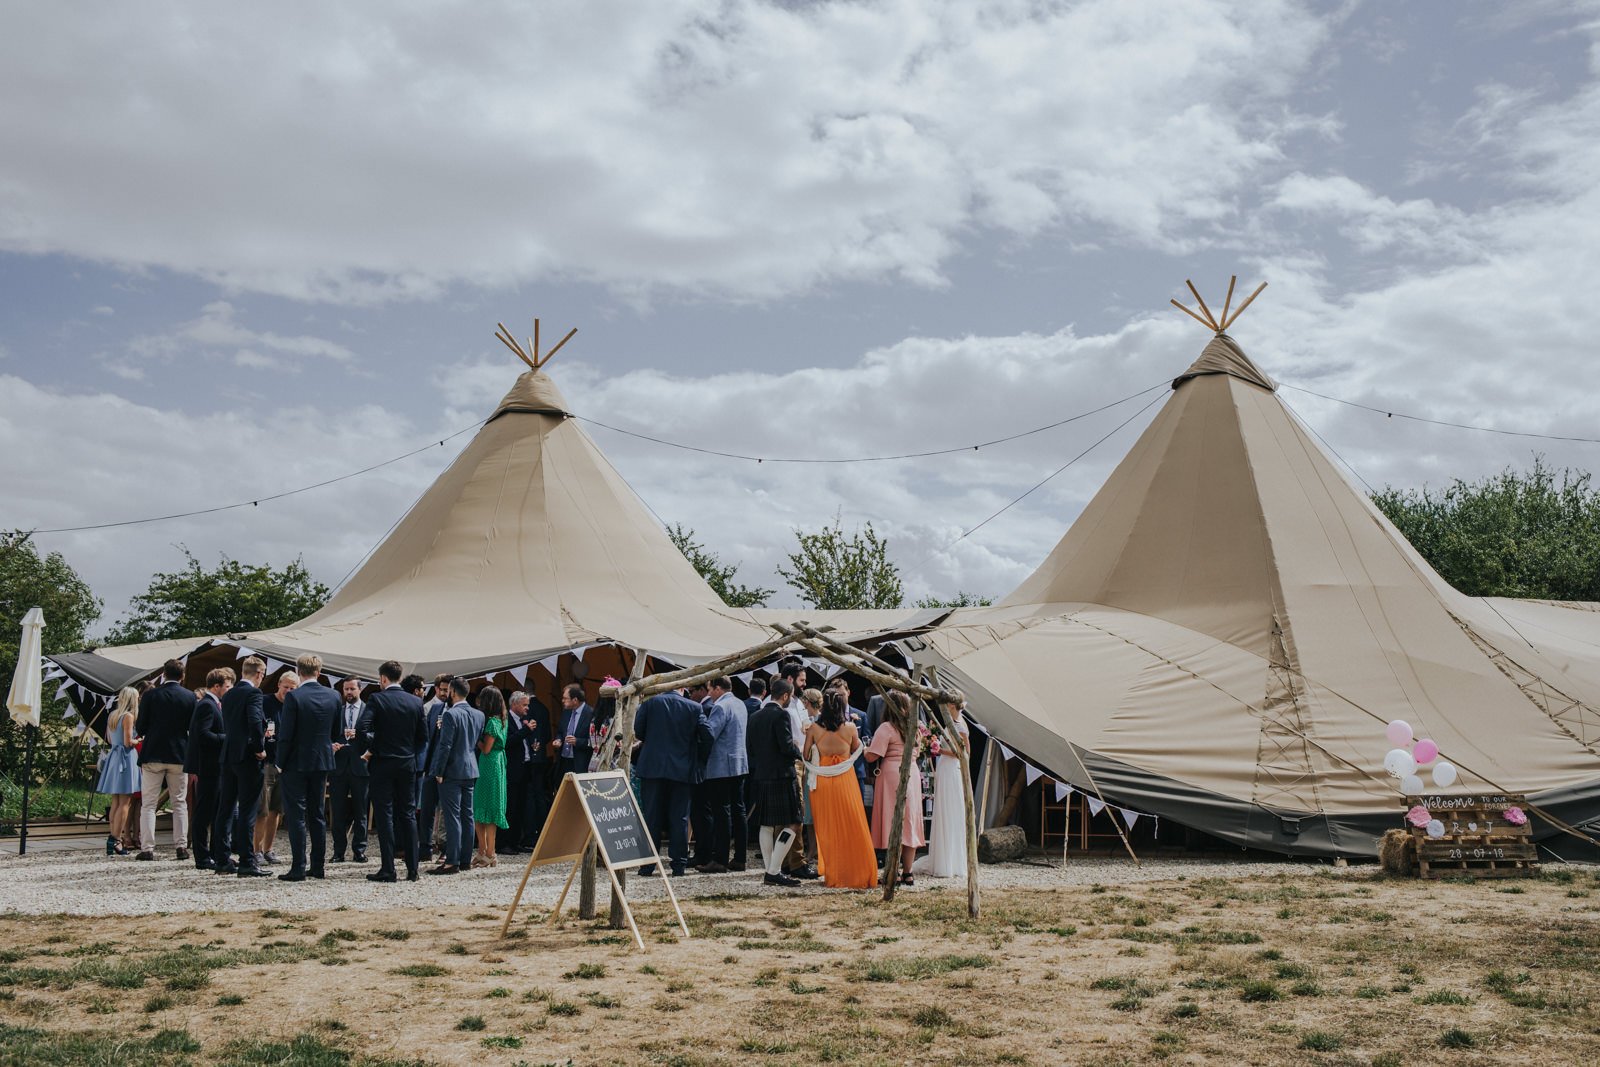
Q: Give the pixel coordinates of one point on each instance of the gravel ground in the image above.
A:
(90, 883)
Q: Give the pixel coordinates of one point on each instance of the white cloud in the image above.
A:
(217, 330)
(736, 148)
(104, 310)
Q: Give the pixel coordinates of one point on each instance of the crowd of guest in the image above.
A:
(444, 775)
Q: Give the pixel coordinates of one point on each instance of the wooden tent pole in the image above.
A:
(1247, 301)
(1192, 315)
(1232, 281)
(1202, 302)
(1121, 832)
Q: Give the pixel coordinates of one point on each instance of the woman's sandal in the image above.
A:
(906, 879)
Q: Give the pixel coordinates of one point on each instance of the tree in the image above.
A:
(834, 572)
(718, 575)
(29, 580)
(960, 600)
(1513, 534)
(234, 598)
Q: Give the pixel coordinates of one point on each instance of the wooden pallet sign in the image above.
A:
(1478, 839)
(601, 808)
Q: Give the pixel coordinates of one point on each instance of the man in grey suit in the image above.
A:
(305, 756)
(725, 719)
(455, 769)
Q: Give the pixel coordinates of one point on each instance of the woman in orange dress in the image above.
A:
(844, 844)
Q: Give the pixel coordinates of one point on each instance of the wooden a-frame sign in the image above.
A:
(598, 807)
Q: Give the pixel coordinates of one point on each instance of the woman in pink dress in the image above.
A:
(888, 748)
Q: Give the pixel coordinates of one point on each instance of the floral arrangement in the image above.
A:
(1418, 816)
(1516, 816)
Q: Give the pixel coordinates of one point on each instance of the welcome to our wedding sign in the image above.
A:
(598, 807)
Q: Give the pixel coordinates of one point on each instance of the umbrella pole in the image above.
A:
(27, 785)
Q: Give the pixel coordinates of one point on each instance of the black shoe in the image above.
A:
(678, 872)
(359, 857)
(712, 868)
(204, 865)
(226, 868)
(805, 874)
(291, 876)
(145, 855)
(336, 859)
(382, 876)
(255, 872)
(780, 879)
(181, 854)
(425, 857)
(318, 873)
(411, 875)
(446, 868)
(737, 866)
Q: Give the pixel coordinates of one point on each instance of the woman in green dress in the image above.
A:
(489, 799)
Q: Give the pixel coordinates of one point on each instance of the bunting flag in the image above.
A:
(1006, 752)
(1129, 817)
(520, 676)
(1063, 791)
(243, 652)
(746, 677)
(1096, 805)
(549, 663)
(274, 664)
(1031, 773)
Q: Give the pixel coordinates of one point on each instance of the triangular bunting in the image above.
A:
(1031, 773)
(520, 675)
(1006, 752)
(1096, 805)
(1129, 817)
(1063, 791)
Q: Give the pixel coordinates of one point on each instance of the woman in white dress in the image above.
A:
(947, 843)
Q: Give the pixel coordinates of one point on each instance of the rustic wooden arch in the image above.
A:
(617, 752)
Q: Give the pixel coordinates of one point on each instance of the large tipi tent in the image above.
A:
(528, 546)
(1222, 634)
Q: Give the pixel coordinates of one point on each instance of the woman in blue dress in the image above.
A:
(119, 776)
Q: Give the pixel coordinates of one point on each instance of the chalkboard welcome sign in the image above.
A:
(599, 808)
(619, 825)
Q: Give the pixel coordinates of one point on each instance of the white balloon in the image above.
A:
(1398, 732)
(1399, 764)
(1435, 828)
(1411, 785)
(1444, 774)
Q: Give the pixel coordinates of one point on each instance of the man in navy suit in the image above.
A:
(204, 761)
(455, 770)
(163, 727)
(348, 784)
(244, 751)
(392, 737)
(666, 723)
(427, 788)
(572, 732)
(305, 756)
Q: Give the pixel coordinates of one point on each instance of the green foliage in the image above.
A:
(962, 599)
(718, 575)
(30, 580)
(835, 572)
(233, 597)
(1533, 534)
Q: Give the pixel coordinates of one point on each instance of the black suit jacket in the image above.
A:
(204, 754)
(244, 724)
(392, 729)
(523, 745)
(305, 728)
(770, 745)
(348, 759)
(163, 722)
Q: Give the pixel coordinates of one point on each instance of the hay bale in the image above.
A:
(1397, 853)
(1001, 844)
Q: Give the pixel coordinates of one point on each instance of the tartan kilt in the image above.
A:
(777, 799)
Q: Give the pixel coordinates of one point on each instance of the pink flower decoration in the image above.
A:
(1418, 816)
(1516, 817)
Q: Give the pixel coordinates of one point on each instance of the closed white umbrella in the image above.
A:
(27, 685)
(27, 694)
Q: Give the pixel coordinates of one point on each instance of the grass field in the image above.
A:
(1324, 969)
(48, 802)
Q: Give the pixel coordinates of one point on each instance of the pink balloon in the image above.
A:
(1425, 752)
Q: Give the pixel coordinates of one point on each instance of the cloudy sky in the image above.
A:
(245, 251)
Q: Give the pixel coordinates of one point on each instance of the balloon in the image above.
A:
(1398, 733)
(1435, 828)
(1426, 751)
(1399, 764)
(1444, 774)
(1411, 785)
